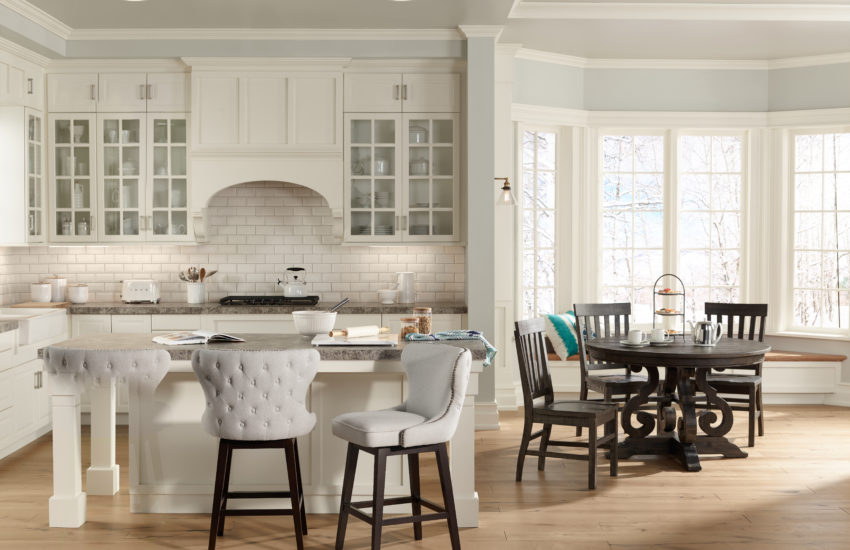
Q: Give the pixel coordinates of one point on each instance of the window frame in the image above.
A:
(787, 322)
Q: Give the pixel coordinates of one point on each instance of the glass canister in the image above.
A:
(424, 316)
(409, 325)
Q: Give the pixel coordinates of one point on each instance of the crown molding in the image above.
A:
(409, 65)
(266, 63)
(683, 64)
(38, 16)
(116, 65)
(537, 114)
(681, 11)
(265, 34)
(815, 117)
(23, 53)
(481, 31)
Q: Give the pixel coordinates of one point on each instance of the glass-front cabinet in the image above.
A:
(122, 181)
(35, 177)
(167, 166)
(73, 199)
(401, 178)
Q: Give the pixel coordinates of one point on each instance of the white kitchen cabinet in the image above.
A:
(21, 155)
(121, 141)
(402, 178)
(131, 324)
(83, 325)
(167, 182)
(73, 178)
(266, 111)
(117, 92)
(407, 92)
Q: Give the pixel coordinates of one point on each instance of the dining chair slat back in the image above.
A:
(747, 317)
(595, 320)
(534, 363)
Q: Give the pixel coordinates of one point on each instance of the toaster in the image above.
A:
(140, 290)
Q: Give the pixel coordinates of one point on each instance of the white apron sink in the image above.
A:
(36, 324)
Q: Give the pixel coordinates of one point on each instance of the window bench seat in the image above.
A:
(790, 377)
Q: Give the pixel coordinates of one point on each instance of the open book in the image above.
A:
(195, 337)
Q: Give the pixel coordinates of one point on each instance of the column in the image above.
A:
(67, 506)
(102, 475)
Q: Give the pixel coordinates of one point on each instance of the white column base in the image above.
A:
(467, 511)
(67, 511)
(102, 481)
(486, 416)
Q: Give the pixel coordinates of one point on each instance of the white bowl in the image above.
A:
(312, 323)
(387, 296)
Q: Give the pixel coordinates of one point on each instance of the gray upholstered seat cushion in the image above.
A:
(374, 428)
(256, 395)
(437, 375)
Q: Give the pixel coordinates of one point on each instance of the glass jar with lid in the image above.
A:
(424, 316)
(409, 325)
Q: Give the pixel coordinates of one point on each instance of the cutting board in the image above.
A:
(43, 304)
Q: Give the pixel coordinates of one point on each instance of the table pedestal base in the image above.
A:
(686, 454)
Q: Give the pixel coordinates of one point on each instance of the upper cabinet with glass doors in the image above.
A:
(122, 146)
(35, 177)
(73, 197)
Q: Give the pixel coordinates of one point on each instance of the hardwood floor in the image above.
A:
(792, 493)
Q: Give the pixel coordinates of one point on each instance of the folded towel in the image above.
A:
(457, 335)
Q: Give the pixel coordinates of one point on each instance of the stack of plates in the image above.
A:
(383, 230)
(383, 199)
(421, 204)
(361, 230)
(419, 229)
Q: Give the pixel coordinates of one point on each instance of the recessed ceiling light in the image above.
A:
(135, 0)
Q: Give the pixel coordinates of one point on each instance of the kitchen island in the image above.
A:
(172, 459)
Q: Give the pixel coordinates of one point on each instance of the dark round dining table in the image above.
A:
(686, 367)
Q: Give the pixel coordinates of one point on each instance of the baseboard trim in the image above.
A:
(486, 416)
(841, 397)
(508, 399)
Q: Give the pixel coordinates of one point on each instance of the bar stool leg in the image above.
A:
(300, 490)
(227, 464)
(347, 489)
(591, 458)
(413, 467)
(378, 496)
(217, 492)
(448, 493)
(293, 492)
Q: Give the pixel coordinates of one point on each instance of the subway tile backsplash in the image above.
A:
(256, 230)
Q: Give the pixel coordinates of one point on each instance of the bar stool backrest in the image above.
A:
(437, 375)
(256, 395)
(143, 368)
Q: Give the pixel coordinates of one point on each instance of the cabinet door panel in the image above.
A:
(24, 406)
(34, 88)
(315, 109)
(73, 181)
(131, 324)
(431, 93)
(266, 122)
(168, 92)
(372, 92)
(122, 92)
(216, 103)
(72, 93)
(83, 325)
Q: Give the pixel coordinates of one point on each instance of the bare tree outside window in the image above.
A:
(821, 254)
(539, 169)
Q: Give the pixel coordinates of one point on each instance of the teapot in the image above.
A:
(706, 333)
(294, 283)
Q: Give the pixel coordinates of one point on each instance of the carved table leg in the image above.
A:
(715, 442)
(635, 442)
(686, 449)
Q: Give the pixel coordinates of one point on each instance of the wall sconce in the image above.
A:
(506, 197)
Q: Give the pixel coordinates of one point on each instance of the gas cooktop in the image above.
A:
(268, 301)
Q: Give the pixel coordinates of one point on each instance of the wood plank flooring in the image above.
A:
(792, 493)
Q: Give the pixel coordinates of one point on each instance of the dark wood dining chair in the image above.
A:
(616, 382)
(745, 322)
(541, 408)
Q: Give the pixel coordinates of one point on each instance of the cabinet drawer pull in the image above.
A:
(29, 86)
(91, 92)
(396, 223)
(141, 91)
(149, 89)
(404, 92)
(35, 380)
(395, 92)
(404, 222)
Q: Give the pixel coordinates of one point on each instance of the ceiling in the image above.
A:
(609, 29)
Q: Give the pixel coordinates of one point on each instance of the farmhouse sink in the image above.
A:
(36, 324)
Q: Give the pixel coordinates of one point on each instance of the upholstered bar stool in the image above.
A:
(256, 400)
(437, 376)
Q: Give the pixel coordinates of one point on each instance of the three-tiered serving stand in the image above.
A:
(677, 309)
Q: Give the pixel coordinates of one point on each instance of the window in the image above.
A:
(820, 281)
(709, 219)
(539, 174)
(632, 220)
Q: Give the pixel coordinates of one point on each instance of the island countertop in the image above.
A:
(214, 308)
(257, 342)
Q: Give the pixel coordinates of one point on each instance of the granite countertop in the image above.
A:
(257, 342)
(6, 326)
(213, 308)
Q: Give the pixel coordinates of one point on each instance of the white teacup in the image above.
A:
(635, 336)
(659, 335)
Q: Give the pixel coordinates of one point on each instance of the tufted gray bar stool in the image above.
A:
(256, 400)
(437, 376)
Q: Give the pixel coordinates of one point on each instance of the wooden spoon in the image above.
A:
(203, 274)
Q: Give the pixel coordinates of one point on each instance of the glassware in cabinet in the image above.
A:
(168, 169)
(122, 143)
(72, 178)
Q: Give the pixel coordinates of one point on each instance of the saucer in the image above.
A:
(629, 344)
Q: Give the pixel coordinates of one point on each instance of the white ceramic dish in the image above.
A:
(629, 344)
(311, 323)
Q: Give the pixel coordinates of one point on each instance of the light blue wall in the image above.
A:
(820, 87)
(538, 83)
(560, 86)
(675, 90)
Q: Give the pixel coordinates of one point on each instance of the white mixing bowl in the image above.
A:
(311, 323)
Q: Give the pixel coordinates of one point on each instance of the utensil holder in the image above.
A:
(196, 293)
